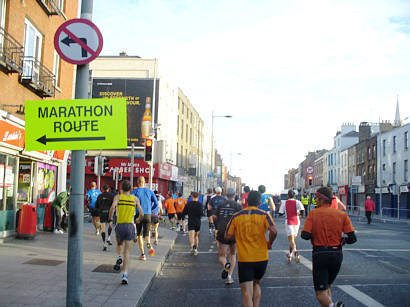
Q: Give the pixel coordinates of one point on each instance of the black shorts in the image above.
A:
(104, 218)
(171, 215)
(250, 271)
(94, 212)
(326, 266)
(209, 213)
(220, 237)
(144, 226)
(154, 219)
(196, 227)
(125, 232)
(181, 216)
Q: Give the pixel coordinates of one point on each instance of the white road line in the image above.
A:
(305, 262)
(360, 296)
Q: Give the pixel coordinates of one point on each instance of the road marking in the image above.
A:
(305, 262)
(360, 296)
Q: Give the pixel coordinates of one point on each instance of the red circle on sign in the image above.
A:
(94, 54)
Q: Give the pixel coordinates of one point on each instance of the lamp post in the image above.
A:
(212, 138)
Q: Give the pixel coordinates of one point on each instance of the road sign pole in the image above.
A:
(74, 293)
(132, 166)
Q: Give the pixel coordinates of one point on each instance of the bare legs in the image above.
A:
(251, 293)
(324, 297)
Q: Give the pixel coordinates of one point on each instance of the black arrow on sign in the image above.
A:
(69, 41)
(44, 139)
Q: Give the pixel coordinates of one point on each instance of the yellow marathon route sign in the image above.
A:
(76, 124)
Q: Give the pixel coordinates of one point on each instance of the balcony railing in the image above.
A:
(11, 53)
(50, 7)
(38, 77)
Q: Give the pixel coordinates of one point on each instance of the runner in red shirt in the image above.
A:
(244, 198)
(369, 207)
(337, 203)
(293, 209)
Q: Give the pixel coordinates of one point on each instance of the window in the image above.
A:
(2, 14)
(32, 50)
(374, 151)
(406, 140)
(406, 170)
(60, 5)
(56, 68)
(394, 172)
(369, 152)
(384, 166)
(384, 148)
(394, 143)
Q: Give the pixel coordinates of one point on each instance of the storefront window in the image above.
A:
(8, 170)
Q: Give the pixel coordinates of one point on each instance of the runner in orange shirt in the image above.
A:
(170, 206)
(180, 203)
(324, 227)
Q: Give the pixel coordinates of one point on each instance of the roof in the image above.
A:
(351, 134)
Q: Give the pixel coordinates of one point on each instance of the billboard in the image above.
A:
(138, 93)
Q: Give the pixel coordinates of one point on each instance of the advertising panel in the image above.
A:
(138, 93)
(46, 183)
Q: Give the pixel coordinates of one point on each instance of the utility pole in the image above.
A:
(74, 292)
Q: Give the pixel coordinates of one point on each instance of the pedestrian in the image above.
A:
(103, 205)
(194, 211)
(59, 204)
(324, 227)
(180, 203)
(293, 208)
(248, 227)
(369, 207)
(148, 202)
(170, 207)
(305, 202)
(267, 203)
(91, 199)
(213, 204)
(206, 201)
(127, 204)
(244, 198)
(222, 216)
(156, 213)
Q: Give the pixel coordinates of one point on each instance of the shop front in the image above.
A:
(344, 194)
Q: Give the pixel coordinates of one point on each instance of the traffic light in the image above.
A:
(94, 165)
(310, 180)
(105, 168)
(148, 150)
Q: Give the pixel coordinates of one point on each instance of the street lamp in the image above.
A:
(212, 138)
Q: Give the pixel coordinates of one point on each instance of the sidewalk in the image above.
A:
(33, 272)
(379, 219)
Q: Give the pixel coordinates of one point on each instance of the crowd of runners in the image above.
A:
(238, 223)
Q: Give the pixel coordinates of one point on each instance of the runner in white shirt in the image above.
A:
(293, 209)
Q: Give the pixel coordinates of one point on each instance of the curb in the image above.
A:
(144, 294)
(380, 220)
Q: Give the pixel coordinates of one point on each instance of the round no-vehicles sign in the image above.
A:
(78, 41)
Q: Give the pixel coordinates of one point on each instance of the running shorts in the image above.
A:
(196, 227)
(171, 215)
(209, 213)
(104, 218)
(154, 219)
(220, 236)
(144, 226)
(93, 212)
(250, 271)
(326, 266)
(292, 230)
(125, 232)
(181, 216)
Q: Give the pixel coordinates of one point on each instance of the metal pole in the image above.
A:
(132, 166)
(152, 124)
(212, 145)
(380, 172)
(74, 292)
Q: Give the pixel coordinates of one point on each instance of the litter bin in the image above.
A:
(48, 223)
(27, 222)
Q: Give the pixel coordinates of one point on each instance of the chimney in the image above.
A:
(123, 53)
(364, 131)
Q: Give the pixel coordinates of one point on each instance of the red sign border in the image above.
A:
(61, 29)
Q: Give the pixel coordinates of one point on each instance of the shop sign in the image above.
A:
(403, 189)
(76, 124)
(342, 190)
(11, 134)
(163, 171)
(141, 168)
(46, 183)
(356, 180)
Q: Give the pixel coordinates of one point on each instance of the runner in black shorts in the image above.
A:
(250, 271)
(103, 205)
(144, 226)
(325, 234)
(194, 211)
(221, 218)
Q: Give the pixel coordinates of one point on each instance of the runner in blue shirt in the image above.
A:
(91, 199)
(148, 202)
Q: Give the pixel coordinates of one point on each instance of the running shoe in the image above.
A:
(156, 242)
(153, 234)
(142, 257)
(229, 281)
(195, 252)
(109, 242)
(117, 265)
(288, 257)
(339, 304)
(224, 273)
(124, 279)
(151, 252)
(135, 239)
(105, 247)
(297, 258)
(97, 232)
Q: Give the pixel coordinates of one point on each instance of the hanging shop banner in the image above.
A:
(138, 93)
(46, 183)
(11, 134)
(76, 124)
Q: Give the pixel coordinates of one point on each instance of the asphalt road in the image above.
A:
(375, 272)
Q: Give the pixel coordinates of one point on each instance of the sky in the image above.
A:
(289, 72)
